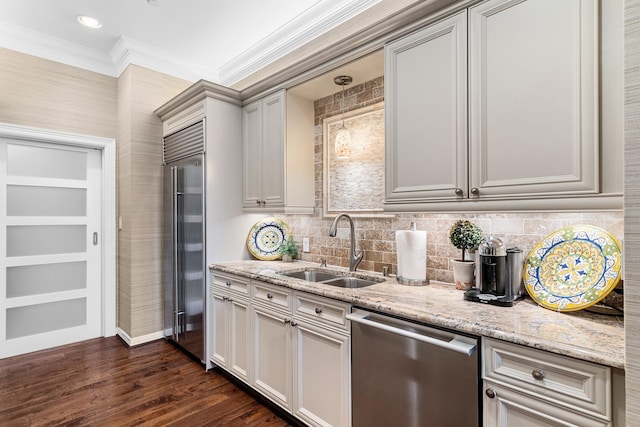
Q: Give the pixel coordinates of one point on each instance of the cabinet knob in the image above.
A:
(318, 310)
(229, 284)
(269, 296)
(294, 324)
(287, 321)
(475, 191)
(258, 202)
(458, 191)
(224, 298)
(537, 374)
(491, 393)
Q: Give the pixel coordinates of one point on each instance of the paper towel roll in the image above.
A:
(411, 251)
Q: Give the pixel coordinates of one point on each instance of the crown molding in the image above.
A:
(33, 43)
(127, 51)
(312, 23)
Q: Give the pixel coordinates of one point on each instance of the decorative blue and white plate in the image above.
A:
(573, 268)
(265, 238)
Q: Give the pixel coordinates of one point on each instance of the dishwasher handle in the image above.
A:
(458, 343)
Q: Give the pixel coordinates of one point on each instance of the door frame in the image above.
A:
(108, 148)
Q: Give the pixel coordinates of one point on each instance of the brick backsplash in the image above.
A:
(377, 235)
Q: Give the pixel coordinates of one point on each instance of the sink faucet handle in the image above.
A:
(323, 262)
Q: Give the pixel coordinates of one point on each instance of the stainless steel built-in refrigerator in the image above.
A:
(184, 243)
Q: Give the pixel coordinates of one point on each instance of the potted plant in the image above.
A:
(464, 235)
(288, 250)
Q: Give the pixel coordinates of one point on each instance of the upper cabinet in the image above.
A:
(518, 126)
(278, 159)
(533, 98)
(426, 113)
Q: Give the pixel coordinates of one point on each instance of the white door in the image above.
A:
(50, 245)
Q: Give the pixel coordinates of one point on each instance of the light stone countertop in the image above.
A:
(583, 335)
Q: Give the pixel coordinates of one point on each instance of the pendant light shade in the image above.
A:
(342, 144)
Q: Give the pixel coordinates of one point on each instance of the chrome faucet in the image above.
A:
(354, 259)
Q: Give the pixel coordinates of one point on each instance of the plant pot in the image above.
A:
(287, 258)
(463, 274)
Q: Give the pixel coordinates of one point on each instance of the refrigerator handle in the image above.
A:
(174, 244)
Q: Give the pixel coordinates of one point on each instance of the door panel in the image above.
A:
(50, 259)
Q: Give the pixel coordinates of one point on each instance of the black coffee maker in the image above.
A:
(498, 274)
(492, 267)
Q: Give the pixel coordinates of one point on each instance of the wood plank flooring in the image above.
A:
(101, 382)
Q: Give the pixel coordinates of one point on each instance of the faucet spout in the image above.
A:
(354, 259)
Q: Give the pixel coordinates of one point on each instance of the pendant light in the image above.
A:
(343, 137)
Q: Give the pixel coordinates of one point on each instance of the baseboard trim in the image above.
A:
(132, 342)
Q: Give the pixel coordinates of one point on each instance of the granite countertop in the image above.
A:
(583, 335)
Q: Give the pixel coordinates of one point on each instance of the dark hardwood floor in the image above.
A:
(101, 382)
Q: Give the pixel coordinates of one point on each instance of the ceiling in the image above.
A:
(218, 40)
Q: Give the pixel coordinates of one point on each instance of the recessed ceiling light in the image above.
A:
(88, 21)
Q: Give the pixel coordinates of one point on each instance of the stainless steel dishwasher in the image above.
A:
(408, 374)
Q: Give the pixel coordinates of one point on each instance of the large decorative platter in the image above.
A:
(265, 238)
(573, 268)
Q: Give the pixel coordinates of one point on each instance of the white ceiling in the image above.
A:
(219, 40)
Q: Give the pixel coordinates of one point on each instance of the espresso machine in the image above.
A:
(498, 274)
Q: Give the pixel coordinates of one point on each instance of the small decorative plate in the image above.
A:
(265, 238)
(573, 268)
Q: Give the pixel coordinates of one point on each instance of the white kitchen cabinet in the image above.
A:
(533, 98)
(230, 325)
(426, 113)
(524, 134)
(302, 354)
(528, 387)
(278, 168)
(272, 355)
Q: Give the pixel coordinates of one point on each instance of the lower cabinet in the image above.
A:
(526, 387)
(292, 347)
(230, 326)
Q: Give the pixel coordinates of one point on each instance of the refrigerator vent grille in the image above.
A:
(184, 143)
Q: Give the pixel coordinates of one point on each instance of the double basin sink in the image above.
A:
(331, 278)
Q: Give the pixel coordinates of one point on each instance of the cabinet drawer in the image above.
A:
(326, 311)
(548, 376)
(273, 296)
(230, 283)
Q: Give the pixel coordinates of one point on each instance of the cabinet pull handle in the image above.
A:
(294, 324)
(269, 296)
(318, 310)
(225, 299)
(228, 284)
(537, 374)
(458, 191)
(491, 393)
(258, 202)
(287, 321)
(475, 191)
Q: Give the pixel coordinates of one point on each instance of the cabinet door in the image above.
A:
(510, 408)
(219, 330)
(426, 113)
(239, 343)
(252, 154)
(273, 140)
(322, 376)
(272, 349)
(533, 98)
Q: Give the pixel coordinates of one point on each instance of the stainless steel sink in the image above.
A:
(311, 275)
(350, 282)
(333, 279)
